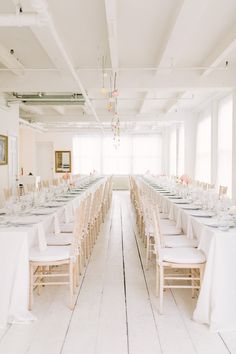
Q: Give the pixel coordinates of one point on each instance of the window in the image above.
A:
(173, 153)
(147, 154)
(136, 154)
(116, 160)
(181, 145)
(203, 149)
(86, 154)
(224, 170)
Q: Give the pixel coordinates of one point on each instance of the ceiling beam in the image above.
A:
(110, 7)
(173, 23)
(52, 43)
(172, 104)
(59, 109)
(165, 43)
(31, 109)
(10, 61)
(220, 53)
(177, 81)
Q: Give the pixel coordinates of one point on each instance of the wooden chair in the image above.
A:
(170, 235)
(222, 190)
(210, 186)
(178, 258)
(8, 193)
(55, 182)
(45, 266)
(30, 188)
(45, 184)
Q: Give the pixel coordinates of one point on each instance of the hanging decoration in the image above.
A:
(112, 104)
(104, 75)
(115, 125)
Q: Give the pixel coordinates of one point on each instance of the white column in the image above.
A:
(177, 151)
(234, 149)
(165, 151)
(190, 129)
(214, 141)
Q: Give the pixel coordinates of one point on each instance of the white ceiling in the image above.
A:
(169, 55)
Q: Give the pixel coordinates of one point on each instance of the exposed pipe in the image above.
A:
(41, 18)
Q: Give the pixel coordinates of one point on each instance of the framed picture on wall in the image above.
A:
(3, 150)
(62, 161)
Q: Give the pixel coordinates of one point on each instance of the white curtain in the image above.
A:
(203, 149)
(136, 154)
(225, 116)
(181, 147)
(116, 160)
(86, 154)
(147, 154)
(173, 153)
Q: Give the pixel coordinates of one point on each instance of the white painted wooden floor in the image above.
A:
(116, 310)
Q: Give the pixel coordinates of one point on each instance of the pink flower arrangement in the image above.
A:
(185, 179)
(66, 176)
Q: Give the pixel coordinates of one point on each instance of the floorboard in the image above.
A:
(116, 309)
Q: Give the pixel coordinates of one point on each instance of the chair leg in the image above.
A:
(192, 282)
(157, 279)
(161, 288)
(71, 280)
(147, 252)
(31, 287)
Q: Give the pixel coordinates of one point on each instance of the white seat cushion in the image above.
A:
(50, 254)
(182, 255)
(67, 227)
(168, 222)
(163, 216)
(179, 241)
(168, 229)
(59, 239)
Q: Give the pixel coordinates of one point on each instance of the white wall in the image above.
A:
(190, 128)
(9, 125)
(60, 141)
(27, 150)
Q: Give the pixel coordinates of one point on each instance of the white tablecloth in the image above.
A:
(14, 259)
(216, 305)
(14, 278)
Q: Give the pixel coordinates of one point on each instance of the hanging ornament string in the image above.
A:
(104, 74)
(115, 91)
(109, 104)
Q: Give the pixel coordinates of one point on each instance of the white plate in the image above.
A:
(191, 207)
(181, 201)
(53, 205)
(42, 211)
(202, 214)
(215, 223)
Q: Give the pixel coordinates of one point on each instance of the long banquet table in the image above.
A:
(216, 304)
(16, 241)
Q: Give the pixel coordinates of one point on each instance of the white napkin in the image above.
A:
(69, 213)
(41, 237)
(171, 212)
(56, 224)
